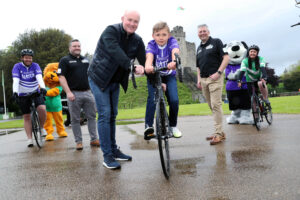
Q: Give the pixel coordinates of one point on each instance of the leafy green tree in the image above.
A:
(291, 79)
(49, 45)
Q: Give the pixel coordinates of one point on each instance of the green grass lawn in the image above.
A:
(280, 105)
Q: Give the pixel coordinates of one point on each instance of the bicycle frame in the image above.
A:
(35, 122)
(259, 108)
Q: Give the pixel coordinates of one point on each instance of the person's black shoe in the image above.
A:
(149, 133)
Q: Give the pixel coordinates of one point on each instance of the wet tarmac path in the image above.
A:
(248, 165)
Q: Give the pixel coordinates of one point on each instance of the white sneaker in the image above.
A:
(176, 132)
(44, 133)
(29, 143)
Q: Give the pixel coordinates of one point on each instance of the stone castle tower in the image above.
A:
(187, 49)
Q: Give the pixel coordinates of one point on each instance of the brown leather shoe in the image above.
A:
(95, 143)
(217, 138)
(210, 137)
(79, 146)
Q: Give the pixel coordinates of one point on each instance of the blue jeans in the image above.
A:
(172, 98)
(107, 106)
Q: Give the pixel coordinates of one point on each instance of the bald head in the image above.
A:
(132, 12)
(130, 20)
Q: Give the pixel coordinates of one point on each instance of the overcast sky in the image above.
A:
(262, 22)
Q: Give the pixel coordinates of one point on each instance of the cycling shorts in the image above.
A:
(25, 103)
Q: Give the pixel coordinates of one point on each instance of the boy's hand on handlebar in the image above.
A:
(139, 69)
(149, 69)
(172, 65)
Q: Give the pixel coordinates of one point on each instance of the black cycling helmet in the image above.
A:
(255, 47)
(27, 52)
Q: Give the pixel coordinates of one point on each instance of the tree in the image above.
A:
(273, 79)
(291, 79)
(49, 46)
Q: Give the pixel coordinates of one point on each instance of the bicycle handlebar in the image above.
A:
(178, 67)
(252, 83)
(295, 24)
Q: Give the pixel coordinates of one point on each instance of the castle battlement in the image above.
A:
(187, 49)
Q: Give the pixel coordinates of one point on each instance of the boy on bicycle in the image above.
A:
(254, 68)
(27, 78)
(161, 53)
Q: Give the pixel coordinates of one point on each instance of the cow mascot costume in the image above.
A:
(53, 102)
(239, 99)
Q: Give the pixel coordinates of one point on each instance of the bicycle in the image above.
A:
(163, 129)
(35, 122)
(260, 108)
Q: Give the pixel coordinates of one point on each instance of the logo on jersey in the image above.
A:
(85, 61)
(72, 61)
(210, 46)
(27, 76)
(199, 51)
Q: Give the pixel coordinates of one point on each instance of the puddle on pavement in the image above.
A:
(139, 143)
(251, 159)
(246, 155)
(187, 166)
(5, 132)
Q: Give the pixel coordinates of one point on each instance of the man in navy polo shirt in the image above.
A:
(211, 62)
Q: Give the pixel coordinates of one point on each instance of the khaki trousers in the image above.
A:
(212, 91)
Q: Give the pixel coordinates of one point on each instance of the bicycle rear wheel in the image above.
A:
(255, 111)
(36, 129)
(268, 113)
(163, 137)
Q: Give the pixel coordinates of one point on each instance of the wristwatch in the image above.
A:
(219, 72)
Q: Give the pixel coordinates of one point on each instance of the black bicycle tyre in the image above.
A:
(36, 129)
(255, 111)
(268, 113)
(162, 137)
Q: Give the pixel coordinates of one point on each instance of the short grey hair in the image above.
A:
(203, 25)
(74, 40)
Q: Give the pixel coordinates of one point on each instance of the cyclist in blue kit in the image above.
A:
(27, 79)
(161, 53)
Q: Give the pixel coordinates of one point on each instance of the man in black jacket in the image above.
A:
(109, 68)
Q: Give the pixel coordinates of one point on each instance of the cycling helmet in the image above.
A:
(255, 47)
(27, 52)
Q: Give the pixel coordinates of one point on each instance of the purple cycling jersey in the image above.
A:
(163, 55)
(27, 75)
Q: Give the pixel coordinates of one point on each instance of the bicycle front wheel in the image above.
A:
(268, 113)
(163, 137)
(255, 111)
(36, 129)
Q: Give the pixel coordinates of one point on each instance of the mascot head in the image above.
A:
(237, 51)
(50, 76)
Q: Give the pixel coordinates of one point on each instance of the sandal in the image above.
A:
(217, 138)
